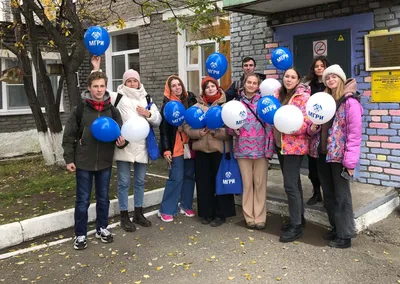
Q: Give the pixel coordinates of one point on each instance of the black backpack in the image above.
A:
(81, 105)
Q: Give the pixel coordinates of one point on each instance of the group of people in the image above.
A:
(194, 155)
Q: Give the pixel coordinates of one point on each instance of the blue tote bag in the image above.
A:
(229, 179)
(151, 142)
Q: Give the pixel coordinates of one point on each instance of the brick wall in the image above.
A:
(158, 56)
(380, 152)
(248, 36)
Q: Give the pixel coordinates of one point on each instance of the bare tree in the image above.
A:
(64, 22)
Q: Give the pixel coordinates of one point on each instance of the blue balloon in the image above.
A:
(266, 108)
(97, 40)
(105, 129)
(282, 58)
(216, 65)
(195, 117)
(214, 118)
(174, 113)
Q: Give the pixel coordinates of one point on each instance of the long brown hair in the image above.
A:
(311, 72)
(184, 96)
(284, 95)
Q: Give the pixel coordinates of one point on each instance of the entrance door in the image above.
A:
(335, 45)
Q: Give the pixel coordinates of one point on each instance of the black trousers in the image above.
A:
(337, 197)
(313, 174)
(209, 204)
(290, 166)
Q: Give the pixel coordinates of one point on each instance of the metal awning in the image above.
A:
(266, 7)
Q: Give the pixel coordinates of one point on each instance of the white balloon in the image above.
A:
(268, 86)
(135, 129)
(288, 119)
(321, 107)
(234, 114)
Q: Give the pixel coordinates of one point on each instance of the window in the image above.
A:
(12, 95)
(198, 47)
(124, 56)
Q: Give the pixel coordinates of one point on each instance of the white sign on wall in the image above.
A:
(320, 48)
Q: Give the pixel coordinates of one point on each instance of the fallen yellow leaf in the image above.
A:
(278, 279)
(146, 276)
(194, 274)
(253, 262)
(231, 277)
(356, 260)
(21, 262)
(159, 268)
(161, 228)
(137, 282)
(123, 270)
(259, 276)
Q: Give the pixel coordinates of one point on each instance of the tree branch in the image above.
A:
(9, 47)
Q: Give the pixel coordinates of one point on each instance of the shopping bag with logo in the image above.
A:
(229, 179)
(151, 142)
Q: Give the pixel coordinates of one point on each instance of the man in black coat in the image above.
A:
(248, 66)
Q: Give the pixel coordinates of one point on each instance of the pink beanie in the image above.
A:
(130, 74)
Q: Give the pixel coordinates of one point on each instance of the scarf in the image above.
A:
(99, 106)
(132, 93)
(212, 99)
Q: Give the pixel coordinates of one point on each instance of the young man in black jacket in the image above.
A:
(91, 158)
(248, 66)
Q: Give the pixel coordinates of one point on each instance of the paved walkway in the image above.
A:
(188, 252)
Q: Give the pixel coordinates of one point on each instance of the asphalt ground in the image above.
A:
(186, 251)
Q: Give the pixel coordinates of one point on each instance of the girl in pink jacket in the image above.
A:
(337, 145)
(253, 147)
(290, 149)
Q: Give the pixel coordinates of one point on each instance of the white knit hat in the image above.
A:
(334, 69)
(130, 74)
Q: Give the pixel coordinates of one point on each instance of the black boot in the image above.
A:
(292, 234)
(340, 243)
(286, 227)
(331, 235)
(139, 218)
(126, 223)
(218, 221)
(317, 197)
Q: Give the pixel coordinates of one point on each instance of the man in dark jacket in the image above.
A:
(248, 66)
(91, 158)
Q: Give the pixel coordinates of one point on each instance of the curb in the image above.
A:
(18, 232)
(364, 217)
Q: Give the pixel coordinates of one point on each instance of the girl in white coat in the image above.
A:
(133, 103)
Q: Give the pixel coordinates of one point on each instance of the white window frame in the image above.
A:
(5, 111)
(183, 61)
(110, 54)
(183, 54)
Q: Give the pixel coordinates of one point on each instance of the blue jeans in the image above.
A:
(124, 182)
(84, 182)
(180, 185)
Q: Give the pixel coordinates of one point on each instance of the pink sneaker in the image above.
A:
(165, 217)
(188, 213)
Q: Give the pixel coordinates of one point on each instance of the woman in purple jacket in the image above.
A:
(337, 145)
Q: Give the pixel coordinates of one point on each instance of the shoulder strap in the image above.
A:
(114, 112)
(79, 113)
(259, 120)
(119, 97)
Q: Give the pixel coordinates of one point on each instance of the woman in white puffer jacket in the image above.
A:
(133, 103)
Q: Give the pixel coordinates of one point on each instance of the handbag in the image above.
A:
(229, 179)
(151, 142)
